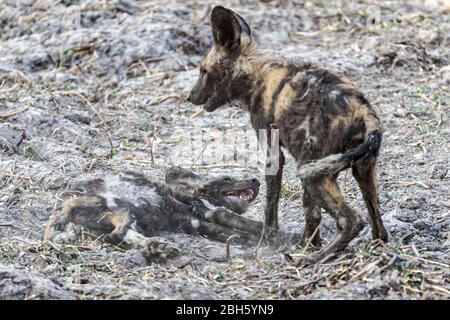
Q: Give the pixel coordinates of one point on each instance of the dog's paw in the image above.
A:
(159, 249)
(154, 249)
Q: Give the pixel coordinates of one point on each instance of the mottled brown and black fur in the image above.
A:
(130, 209)
(324, 121)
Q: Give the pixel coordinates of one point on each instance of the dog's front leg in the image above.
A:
(226, 218)
(273, 184)
(56, 229)
(122, 222)
(65, 223)
(218, 232)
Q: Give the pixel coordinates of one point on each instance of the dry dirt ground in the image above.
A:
(97, 86)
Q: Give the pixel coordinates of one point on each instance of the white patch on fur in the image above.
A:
(347, 101)
(209, 205)
(312, 80)
(306, 126)
(210, 213)
(334, 94)
(195, 223)
(342, 222)
(127, 190)
(109, 197)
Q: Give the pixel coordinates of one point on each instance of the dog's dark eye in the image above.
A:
(203, 71)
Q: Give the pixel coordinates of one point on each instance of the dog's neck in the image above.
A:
(268, 76)
(188, 204)
(258, 66)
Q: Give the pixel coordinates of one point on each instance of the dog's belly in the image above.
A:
(151, 221)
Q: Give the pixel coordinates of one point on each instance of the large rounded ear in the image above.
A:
(227, 28)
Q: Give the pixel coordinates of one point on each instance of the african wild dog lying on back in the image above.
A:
(324, 121)
(132, 210)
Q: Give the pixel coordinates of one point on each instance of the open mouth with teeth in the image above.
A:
(247, 195)
(237, 195)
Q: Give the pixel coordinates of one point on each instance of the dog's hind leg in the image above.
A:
(117, 226)
(92, 212)
(367, 181)
(74, 213)
(153, 249)
(86, 211)
(55, 230)
(313, 217)
(348, 222)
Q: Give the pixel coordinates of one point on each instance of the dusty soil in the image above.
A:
(97, 86)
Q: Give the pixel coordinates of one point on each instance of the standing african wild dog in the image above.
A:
(324, 121)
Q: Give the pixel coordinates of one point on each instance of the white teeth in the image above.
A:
(245, 195)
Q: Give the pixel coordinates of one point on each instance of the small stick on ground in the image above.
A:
(111, 147)
(228, 245)
(7, 174)
(13, 113)
(409, 183)
(10, 225)
(310, 238)
(146, 69)
(152, 146)
(198, 157)
(198, 113)
(218, 165)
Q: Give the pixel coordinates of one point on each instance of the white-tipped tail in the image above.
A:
(328, 165)
(334, 163)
